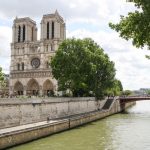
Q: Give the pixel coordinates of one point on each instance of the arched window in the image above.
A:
(22, 66)
(53, 30)
(19, 33)
(48, 30)
(18, 66)
(24, 32)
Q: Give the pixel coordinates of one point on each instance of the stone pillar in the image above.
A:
(41, 91)
(64, 30)
(41, 31)
(58, 30)
(50, 29)
(42, 47)
(35, 34)
(26, 33)
(10, 90)
(25, 91)
(21, 34)
(55, 46)
(42, 60)
(55, 29)
(44, 31)
(16, 34)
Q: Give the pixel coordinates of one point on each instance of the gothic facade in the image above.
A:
(30, 73)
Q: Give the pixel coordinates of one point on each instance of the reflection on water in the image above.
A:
(126, 131)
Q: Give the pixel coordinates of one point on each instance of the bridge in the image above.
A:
(133, 98)
(124, 100)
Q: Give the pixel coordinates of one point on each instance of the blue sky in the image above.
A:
(84, 18)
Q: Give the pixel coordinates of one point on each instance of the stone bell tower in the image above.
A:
(30, 73)
(24, 30)
(53, 30)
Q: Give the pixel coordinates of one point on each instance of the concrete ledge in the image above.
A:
(18, 136)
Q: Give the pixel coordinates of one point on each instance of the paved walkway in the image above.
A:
(31, 126)
(24, 127)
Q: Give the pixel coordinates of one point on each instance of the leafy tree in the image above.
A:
(116, 90)
(148, 92)
(127, 92)
(136, 26)
(120, 85)
(1, 77)
(81, 67)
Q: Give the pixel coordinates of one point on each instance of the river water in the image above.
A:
(125, 131)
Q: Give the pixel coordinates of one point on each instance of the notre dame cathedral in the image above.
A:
(30, 73)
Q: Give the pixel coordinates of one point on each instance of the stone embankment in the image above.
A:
(88, 110)
(16, 112)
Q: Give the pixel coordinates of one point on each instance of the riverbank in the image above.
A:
(25, 133)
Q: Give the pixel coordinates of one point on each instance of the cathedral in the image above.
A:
(30, 73)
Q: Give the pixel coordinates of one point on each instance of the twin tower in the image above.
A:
(30, 73)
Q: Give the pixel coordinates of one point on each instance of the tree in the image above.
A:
(127, 92)
(148, 92)
(81, 67)
(1, 77)
(116, 90)
(136, 26)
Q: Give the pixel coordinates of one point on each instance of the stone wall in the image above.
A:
(15, 112)
(26, 135)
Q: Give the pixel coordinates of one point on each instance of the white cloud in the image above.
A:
(85, 18)
(131, 65)
(5, 39)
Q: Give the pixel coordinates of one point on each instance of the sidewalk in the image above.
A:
(25, 127)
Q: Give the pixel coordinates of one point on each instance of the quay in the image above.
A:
(23, 133)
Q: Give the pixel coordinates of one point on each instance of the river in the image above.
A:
(125, 131)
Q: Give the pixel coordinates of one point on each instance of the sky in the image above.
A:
(84, 18)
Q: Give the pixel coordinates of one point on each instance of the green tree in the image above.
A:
(116, 90)
(148, 92)
(119, 84)
(1, 77)
(136, 25)
(127, 92)
(81, 67)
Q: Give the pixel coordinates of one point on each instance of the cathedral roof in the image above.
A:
(25, 19)
(54, 15)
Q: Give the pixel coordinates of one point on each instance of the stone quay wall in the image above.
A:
(26, 135)
(16, 112)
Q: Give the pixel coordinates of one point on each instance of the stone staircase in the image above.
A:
(108, 104)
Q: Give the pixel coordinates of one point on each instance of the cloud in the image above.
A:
(84, 18)
(131, 65)
(70, 9)
(5, 39)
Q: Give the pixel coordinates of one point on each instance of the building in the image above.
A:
(30, 73)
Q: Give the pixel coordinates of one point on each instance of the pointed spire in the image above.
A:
(56, 13)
